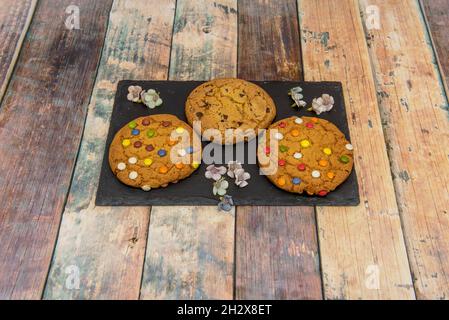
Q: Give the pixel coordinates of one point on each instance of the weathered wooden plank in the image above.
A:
(276, 248)
(362, 248)
(15, 18)
(437, 17)
(107, 244)
(190, 251)
(414, 114)
(41, 122)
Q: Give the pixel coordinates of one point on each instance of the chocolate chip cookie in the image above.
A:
(153, 151)
(305, 155)
(224, 104)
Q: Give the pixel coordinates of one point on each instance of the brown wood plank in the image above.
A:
(41, 120)
(276, 247)
(15, 18)
(362, 248)
(107, 244)
(190, 251)
(437, 16)
(414, 113)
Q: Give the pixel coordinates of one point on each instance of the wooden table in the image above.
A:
(57, 88)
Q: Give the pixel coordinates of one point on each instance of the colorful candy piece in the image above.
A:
(133, 175)
(149, 147)
(179, 165)
(132, 160)
(151, 133)
(278, 136)
(309, 125)
(179, 130)
(162, 153)
(298, 121)
(281, 182)
(163, 169)
(344, 159)
(146, 122)
(121, 166)
(282, 124)
(294, 133)
(137, 144)
(148, 162)
(327, 151)
(305, 143)
(166, 123)
(126, 143)
(132, 124)
(331, 175)
(297, 155)
(135, 132)
(267, 150)
(283, 148)
(316, 174)
(296, 181)
(281, 162)
(189, 150)
(323, 163)
(195, 164)
(314, 120)
(301, 167)
(146, 188)
(349, 147)
(322, 193)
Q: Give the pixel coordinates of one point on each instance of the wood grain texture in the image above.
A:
(414, 114)
(437, 16)
(190, 251)
(107, 244)
(276, 247)
(15, 18)
(41, 120)
(362, 248)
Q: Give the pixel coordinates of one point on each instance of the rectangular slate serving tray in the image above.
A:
(196, 189)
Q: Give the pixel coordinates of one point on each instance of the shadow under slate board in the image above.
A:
(196, 189)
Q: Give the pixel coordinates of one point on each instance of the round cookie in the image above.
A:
(230, 104)
(141, 152)
(312, 155)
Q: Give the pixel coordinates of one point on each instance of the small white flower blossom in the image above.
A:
(215, 173)
(240, 177)
(232, 167)
(220, 187)
(151, 98)
(324, 103)
(297, 96)
(134, 93)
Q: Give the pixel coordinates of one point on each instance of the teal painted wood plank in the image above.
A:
(106, 245)
(42, 118)
(190, 252)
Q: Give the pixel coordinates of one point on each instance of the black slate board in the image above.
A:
(197, 190)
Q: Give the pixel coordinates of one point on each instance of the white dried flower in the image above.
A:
(240, 177)
(232, 167)
(215, 173)
(324, 103)
(151, 98)
(134, 93)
